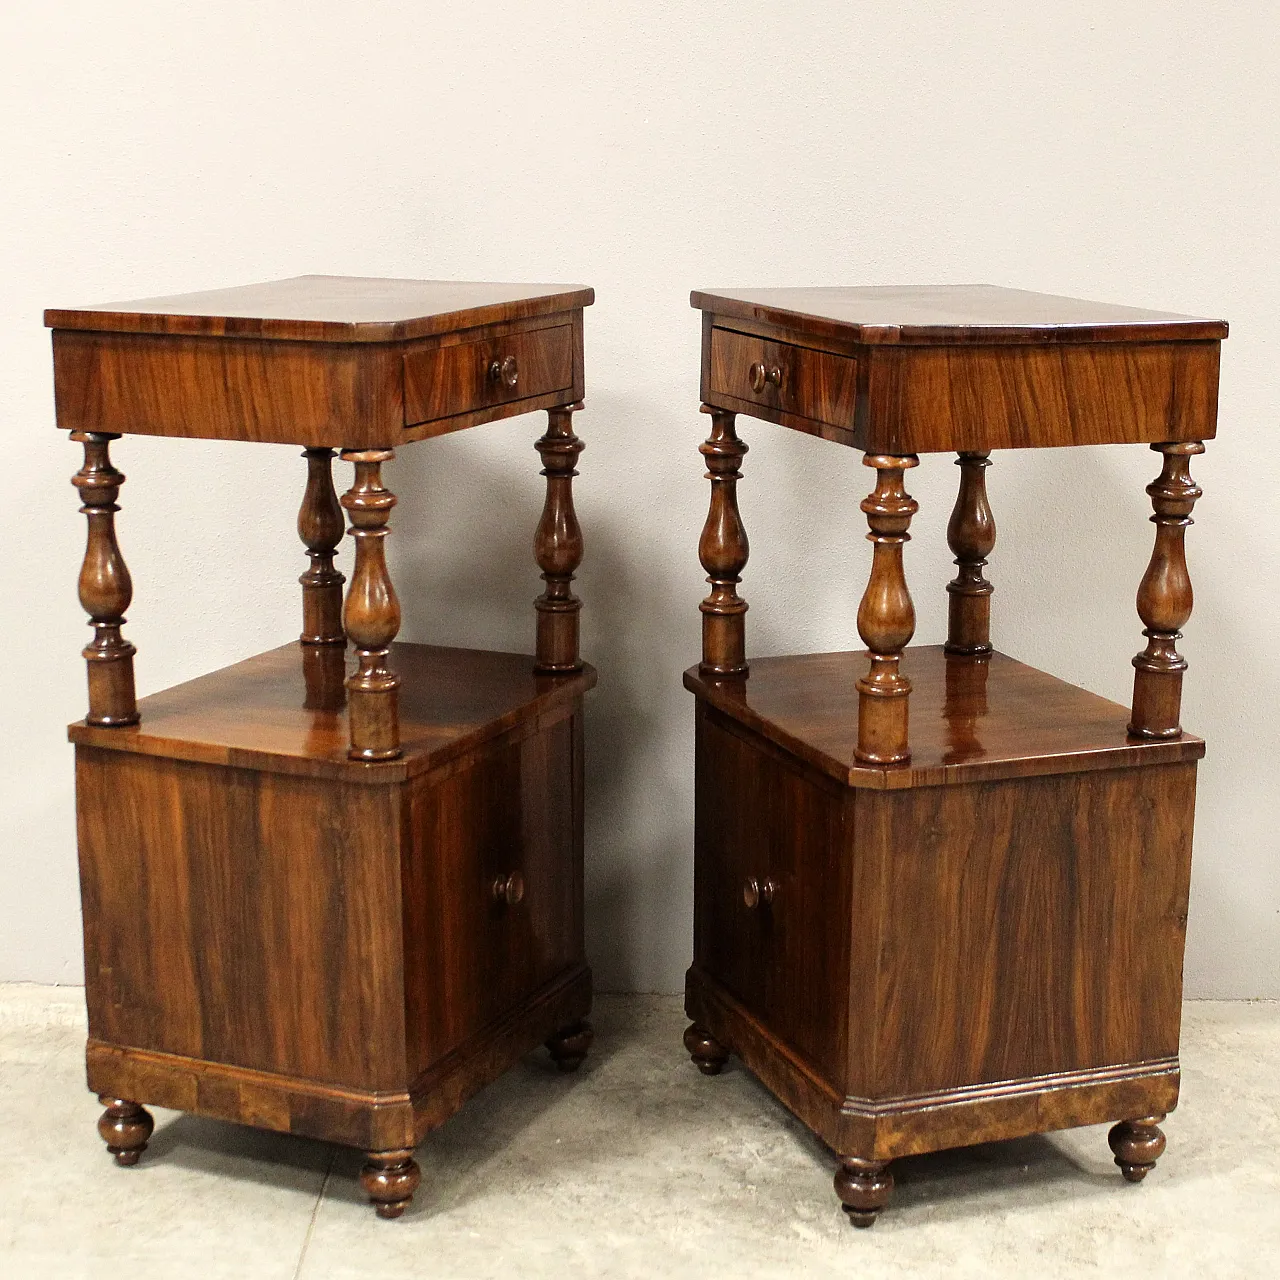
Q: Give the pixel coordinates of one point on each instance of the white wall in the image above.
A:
(1120, 152)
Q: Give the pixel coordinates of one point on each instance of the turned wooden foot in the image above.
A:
(125, 1128)
(1137, 1144)
(390, 1178)
(708, 1053)
(864, 1188)
(568, 1046)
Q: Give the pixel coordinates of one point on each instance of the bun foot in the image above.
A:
(390, 1178)
(125, 1128)
(864, 1188)
(1137, 1144)
(708, 1054)
(568, 1046)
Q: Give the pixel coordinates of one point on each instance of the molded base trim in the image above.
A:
(886, 1128)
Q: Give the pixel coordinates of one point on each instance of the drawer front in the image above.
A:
(441, 382)
(778, 375)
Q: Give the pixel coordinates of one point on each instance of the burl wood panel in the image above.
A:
(757, 817)
(972, 719)
(464, 377)
(243, 917)
(1025, 927)
(470, 954)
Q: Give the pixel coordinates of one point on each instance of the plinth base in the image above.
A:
(983, 943)
(280, 936)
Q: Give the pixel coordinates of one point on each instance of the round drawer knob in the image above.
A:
(762, 377)
(758, 893)
(509, 889)
(506, 372)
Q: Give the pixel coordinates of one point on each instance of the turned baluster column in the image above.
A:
(886, 616)
(320, 526)
(971, 534)
(371, 614)
(557, 547)
(723, 550)
(105, 587)
(1165, 597)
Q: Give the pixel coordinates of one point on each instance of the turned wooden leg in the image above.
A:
(568, 1046)
(723, 550)
(557, 547)
(1137, 1145)
(886, 616)
(708, 1054)
(971, 535)
(371, 614)
(126, 1128)
(1165, 598)
(864, 1188)
(390, 1178)
(320, 526)
(105, 587)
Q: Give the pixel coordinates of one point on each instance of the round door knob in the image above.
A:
(762, 377)
(507, 372)
(758, 893)
(509, 889)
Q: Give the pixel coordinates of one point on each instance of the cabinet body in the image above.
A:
(939, 964)
(327, 955)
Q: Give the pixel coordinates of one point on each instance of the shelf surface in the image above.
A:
(971, 720)
(328, 309)
(254, 714)
(955, 313)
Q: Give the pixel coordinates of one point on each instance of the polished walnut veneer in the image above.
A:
(941, 896)
(336, 888)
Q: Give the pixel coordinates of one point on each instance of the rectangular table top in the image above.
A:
(328, 309)
(952, 313)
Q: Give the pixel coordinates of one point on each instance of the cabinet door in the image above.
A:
(782, 951)
(473, 951)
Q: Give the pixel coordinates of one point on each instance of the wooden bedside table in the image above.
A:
(940, 896)
(325, 895)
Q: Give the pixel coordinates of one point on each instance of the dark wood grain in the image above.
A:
(254, 714)
(952, 314)
(105, 588)
(970, 720)
(808, 383)
(557, 547)
(328, 309)
(444, 380)
(943, 900)
(723, 550)
(1165, 597)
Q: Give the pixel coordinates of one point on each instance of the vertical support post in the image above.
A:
(371, 614)
(723, 550)
(971, 535)
(105, 587)
(1165, 597)
(557, 547)
(320, 526)
(886, 616)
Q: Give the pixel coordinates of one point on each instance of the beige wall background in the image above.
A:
(1119, 152)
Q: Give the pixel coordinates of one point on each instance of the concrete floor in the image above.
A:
(636, 1166)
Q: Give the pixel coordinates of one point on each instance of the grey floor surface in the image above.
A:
(636, 1166)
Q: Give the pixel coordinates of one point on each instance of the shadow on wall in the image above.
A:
(462, 560)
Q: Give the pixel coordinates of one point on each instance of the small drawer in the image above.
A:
(442, 382)
(776, 375)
